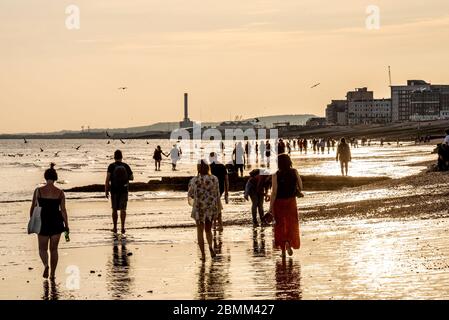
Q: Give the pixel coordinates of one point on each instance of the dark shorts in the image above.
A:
(119, 201)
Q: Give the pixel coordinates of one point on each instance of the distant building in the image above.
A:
(336, 112)
(374, 111)
(186, 123)
(419, 100)
(360, 94)
(316, 122)
(244, 125)
(360, 107)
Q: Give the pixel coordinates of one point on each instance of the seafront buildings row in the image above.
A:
(415, 101)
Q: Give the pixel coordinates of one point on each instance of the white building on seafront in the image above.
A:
(374, 111)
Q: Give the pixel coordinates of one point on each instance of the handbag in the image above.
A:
(35, 223)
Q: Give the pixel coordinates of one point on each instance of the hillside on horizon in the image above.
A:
(267, 121)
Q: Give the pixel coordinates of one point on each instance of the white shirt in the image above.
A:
(446, 140)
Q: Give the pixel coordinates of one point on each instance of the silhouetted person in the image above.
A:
(344, 155)
(117, 182)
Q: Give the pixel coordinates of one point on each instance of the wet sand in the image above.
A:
(388, 240)
(369, 259)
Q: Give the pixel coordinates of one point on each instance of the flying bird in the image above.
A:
(148, 142)
(25, 140)
(108, 135)
(122, 141)
(42, 150)
(77, 148)
(109, 142)
(315, 85)
(57, 154)
(123, 88)
(256, 119)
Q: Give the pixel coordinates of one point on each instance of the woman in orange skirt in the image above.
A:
(287, 185)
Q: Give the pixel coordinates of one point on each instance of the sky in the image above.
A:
(250, 58)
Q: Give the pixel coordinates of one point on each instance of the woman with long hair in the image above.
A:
(287, 185)
(54, 220)
(204, 193)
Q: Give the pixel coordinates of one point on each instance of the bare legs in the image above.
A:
(43, 253)
(344, 168)
(218, 222)
(115, 220)
(157, 165)
(287, 248)
(200, 228)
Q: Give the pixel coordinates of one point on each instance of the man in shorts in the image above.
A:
(117, 182)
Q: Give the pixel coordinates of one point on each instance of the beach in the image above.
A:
(386, 240)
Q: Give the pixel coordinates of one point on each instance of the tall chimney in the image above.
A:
(186, 106)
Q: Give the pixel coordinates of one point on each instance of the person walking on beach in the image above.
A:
(262, 150)
(268, 152)
(256, 150)
(238, 157)
(219, 170)
(54, 220)
(344, 155)
(256, 189)
(281, 146)
(157, 156)
(204, 196)
(446, 138)
(175, 155)
(117, 183)
(287, 185)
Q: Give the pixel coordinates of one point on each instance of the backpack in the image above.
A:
(120, 178)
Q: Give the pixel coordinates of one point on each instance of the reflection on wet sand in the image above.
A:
(259, 242)
(118, 278)
(213, 275)
(50, 290)
(288, 280)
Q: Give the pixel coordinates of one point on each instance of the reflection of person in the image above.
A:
(119, 280)
(117, 181)
(50, 291)
(286, 186)
(204, 190)
(213, 279)
(344, 155)
(54, 220)
(288, 280)
(259, 247)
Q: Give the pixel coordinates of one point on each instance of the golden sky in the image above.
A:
(234, 57)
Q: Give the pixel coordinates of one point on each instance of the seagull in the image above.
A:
(148, 142)
(25, 140)
(123, 88)
(315, 85)
(108, 135)
(77, 148)
(256, 119)
(57, 154)
(42, 150)
(122, 141)
(109, 142)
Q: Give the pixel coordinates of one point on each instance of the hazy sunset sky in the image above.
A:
(234, 57)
